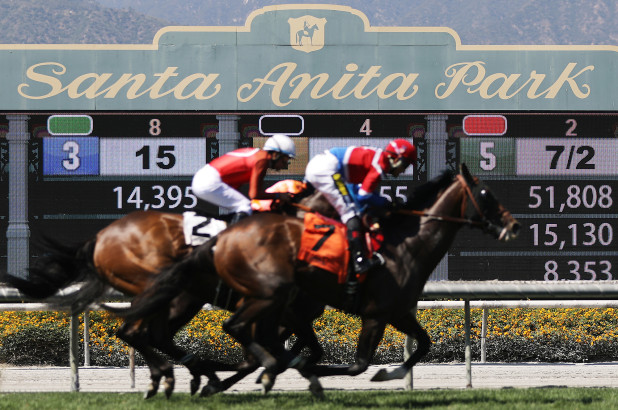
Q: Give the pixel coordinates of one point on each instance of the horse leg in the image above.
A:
(238, 326)
(306, 336)
(370, 336)
(407, 324)
(161, 331)
(130, 333)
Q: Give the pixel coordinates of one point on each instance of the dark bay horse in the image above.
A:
(257, 257)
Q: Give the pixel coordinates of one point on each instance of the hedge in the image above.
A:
(514, 335)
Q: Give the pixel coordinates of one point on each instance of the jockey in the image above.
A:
(330, 171)
(218, 181)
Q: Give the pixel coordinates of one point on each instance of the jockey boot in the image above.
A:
(358, 250)
(237, 217)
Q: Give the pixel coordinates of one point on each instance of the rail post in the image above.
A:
(74, 351)
(86, 338)
(484, 336)
(468, 346)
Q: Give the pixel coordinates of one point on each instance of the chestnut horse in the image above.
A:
(257, 257)
(125, 256)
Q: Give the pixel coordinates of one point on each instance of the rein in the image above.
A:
(302, 207)
(449, 218)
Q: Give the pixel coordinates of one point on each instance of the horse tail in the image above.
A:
(60, 266)
(169, 283)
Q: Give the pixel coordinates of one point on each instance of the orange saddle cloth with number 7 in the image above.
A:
(324, 245)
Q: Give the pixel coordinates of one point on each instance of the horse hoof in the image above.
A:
(152, 390)
(267, 382)
(195, 385)
(316, 389)
(383, 375)
(209, 390)
(169, 386)
(380, 376)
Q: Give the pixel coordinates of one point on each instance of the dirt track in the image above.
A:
(426, 376)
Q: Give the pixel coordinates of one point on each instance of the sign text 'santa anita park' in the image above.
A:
(303, 57)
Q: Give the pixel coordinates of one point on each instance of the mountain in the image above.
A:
(476, 21)
(73, 22)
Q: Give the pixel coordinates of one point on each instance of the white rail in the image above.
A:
(490, 295)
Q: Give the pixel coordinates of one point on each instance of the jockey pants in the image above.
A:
(207, 185)
(320, 171)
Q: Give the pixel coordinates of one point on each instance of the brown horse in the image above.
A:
(257, 257)
(125, 256)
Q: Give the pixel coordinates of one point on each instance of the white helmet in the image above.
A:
(281, 143)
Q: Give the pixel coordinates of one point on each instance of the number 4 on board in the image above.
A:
(366, 128)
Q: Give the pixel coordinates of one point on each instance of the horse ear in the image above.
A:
(463, 170)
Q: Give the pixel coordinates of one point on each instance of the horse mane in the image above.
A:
(426, 194)
(422, 197)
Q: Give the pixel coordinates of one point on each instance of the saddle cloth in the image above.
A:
(198, 229)
(323, 244)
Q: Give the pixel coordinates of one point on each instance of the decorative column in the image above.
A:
(436, 137)
(18, 233)
(228, 135)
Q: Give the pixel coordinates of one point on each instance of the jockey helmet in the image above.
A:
(281, 143)
(400, 154)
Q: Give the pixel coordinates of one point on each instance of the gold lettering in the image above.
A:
(205, 82)
(138, 80)
(343, 81)
(91, 91)
(288, 69)
(536, 79)
(304, 81)
(90, 85)
(567, 77)
(155, 90)
(502, 91)
(459, 76)
(373, 72)
(400, 91)
(54, 83)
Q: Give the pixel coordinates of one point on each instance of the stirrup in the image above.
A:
(362, 264)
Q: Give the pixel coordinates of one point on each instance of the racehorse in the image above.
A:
(125, 256)
(257, 257)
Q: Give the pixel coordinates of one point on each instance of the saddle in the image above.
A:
(198, 229)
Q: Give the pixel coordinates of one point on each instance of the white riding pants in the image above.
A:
(207, 185)
(319, 173)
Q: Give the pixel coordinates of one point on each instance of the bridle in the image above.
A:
(483, 223)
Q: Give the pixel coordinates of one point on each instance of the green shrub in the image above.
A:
(44, 345)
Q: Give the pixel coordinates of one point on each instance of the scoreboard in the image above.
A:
(556, 172)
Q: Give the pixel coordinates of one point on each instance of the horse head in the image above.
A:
(482, 208)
